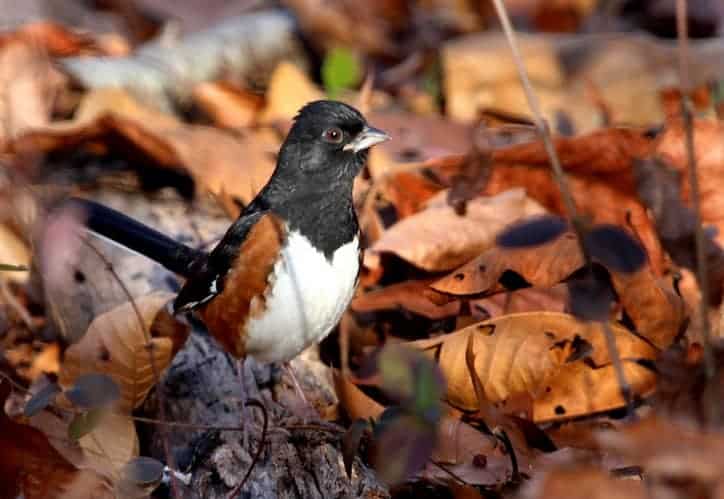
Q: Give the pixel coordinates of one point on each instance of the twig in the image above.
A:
(449, 472)
(154, 368)
(255, 459)
(542, 126)
(700, 238)
(623, 385)
(15, 304)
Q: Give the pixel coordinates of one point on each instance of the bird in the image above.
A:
(284, 272)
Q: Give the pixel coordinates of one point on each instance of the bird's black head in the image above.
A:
(327, 143)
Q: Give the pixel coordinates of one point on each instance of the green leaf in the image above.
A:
(341, 70)
(413, 380)
(6, 267)
(84, 423)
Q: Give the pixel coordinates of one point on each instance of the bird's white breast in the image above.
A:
(307, 297)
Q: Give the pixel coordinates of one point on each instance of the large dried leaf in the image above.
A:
(13, 251)
(438, 238)
(584, 482)
(656, 310)
(227, 105)
(242, 47)
(559, 363)
(458, 442)
(289, 89)
(219, 161)
(709, 150)
(30, 466)
(28, 83)
(110, 444)
(675, 456)
(116, 345)
(409, 296)
(600, 175)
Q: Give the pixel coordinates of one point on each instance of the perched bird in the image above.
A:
(285, 271)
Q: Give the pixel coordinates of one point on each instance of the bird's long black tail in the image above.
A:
(114, 225)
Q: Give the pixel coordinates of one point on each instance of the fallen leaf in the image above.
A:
(227, 105)
(408, 295)
(437, 238)
(116, 345)
(13, 251)
(709, 151)
(583, 482)
(523, 300)
(687, 459)
(111, 443)
(56, 39)
(31, 467)
(559, 362)
(210, 156)
(659, 189)
(288, 91)
(599, 167)
(655, 308)
(29, 83)
(458, 442)
(347, 24)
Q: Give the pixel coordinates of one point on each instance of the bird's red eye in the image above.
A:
(333, 135)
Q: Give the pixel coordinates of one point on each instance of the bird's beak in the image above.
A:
(368, 137)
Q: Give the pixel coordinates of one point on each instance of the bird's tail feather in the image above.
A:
(123, 230)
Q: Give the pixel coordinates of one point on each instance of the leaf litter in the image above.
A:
(488, 352)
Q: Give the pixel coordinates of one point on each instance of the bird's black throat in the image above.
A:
(326, 218)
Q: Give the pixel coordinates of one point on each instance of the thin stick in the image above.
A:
(701, 263)
(259, 449)
(154, 368)
(623, 385)
(542, 126)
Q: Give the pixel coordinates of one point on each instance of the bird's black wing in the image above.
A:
(207, 279)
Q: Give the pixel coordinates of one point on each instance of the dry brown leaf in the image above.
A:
(542, 266)
(356, 404)
(116, 345)
(13, 251)
(688, 457)
(600, 175)
(458, 442)
(289, 89)
(522, 300)
(657, 311)
(709, 150)
(408, 295)
(583, 482)
(28, 84)
(559, 362)
(227, 105)
(346, 23)
(415, 138)
(408, 191)
(111, 444)
(219, 161)
(30, 466)
(437, 238)
(470, 86)
(55, 39)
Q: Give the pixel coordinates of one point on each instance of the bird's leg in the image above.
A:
(298, 388)
(240, 371)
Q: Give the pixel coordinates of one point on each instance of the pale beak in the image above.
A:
(368, 137)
